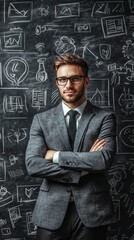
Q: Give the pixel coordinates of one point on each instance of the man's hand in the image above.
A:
(98, 145)
(49, 155)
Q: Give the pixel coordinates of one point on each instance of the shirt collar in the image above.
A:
(79, 109)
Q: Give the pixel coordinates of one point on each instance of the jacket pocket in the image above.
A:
(45, 186)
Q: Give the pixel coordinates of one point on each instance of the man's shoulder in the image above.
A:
(47, 113)
(102, 110)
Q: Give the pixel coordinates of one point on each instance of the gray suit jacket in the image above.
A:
(91, 192)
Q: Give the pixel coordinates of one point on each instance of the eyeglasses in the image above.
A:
(73, 79)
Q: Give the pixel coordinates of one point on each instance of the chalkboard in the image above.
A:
(32, 33)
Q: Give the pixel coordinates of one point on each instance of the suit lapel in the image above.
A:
(62, 128)
(83, 125)
(88, 114)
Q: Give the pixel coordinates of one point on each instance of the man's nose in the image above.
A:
(69, 83)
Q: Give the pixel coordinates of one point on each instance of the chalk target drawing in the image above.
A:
(16, 70)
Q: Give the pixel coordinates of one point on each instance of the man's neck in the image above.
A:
(74, 105)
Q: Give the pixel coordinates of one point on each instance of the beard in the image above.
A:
(74, 99)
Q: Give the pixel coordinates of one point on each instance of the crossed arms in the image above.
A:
(97, 146)
(39, 159)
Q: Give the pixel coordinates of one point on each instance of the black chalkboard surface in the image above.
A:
(32, 33)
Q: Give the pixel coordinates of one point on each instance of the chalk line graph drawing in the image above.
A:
(107, 8)
(113, 26)
(16, 70)
(19, 11)
(13, 41)
(67, 10)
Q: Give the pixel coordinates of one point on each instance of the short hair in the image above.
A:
(69, 58)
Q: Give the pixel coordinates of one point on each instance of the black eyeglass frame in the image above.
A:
(76, 79)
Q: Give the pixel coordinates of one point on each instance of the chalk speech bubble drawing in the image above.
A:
(16, 69)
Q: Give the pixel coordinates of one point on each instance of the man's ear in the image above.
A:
(87, 81)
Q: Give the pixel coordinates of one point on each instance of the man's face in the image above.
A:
(74, 94)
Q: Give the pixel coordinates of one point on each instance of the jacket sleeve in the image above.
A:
(97, 160)
(36, 164)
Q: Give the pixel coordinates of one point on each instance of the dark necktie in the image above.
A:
(72, 126)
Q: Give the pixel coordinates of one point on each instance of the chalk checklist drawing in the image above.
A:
(67, 10)
(18, 11)
(27, 193)
(113, 26)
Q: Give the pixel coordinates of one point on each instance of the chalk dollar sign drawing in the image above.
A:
(16, 69)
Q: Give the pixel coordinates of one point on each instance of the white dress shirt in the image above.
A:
(66, 109)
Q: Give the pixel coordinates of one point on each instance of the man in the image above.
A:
(74, 201)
